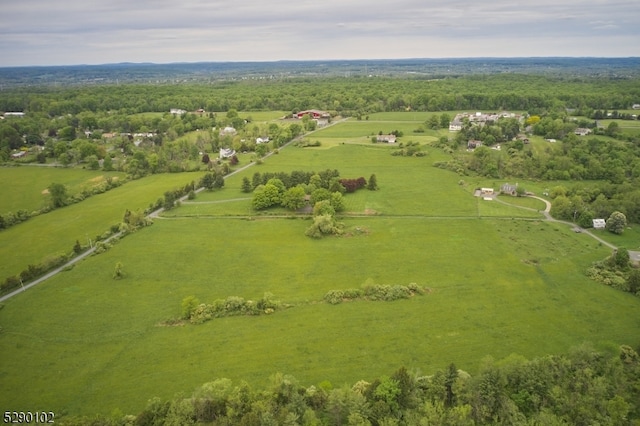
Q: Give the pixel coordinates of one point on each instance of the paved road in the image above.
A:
(57, 270)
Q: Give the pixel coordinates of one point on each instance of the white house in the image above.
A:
(386, 138)
(455, 125)
(227, 153)
(228, 131)
(599, 223)
(262, 140)
(177, 111)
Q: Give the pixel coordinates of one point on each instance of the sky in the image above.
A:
(47, 32)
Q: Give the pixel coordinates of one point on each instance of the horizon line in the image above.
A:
(275, 61)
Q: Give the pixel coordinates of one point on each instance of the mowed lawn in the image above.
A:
(84, 343)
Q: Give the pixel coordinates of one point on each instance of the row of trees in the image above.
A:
(344, 96)
(582, 387)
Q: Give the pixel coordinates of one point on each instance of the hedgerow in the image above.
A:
(377, 292)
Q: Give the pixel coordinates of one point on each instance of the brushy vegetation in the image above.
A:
(231, 306)
(377, 292)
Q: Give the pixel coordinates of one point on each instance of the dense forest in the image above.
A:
(83, 75)
(350, 96)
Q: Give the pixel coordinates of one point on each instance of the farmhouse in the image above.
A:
(262, 140)
(509, 189)
(386, 138)
(599, 223)
(455, 125)
(227, 153)
(177, 111)
(636, 106)
(486, 191)
(581, 131)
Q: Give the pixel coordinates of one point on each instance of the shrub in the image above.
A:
(353, 293)
(334, 297)
(189, 305)
(231, 306)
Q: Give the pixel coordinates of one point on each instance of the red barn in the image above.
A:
(313, 113)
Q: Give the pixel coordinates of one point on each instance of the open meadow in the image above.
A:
(499, 280)
(28, 190)
(56, 232)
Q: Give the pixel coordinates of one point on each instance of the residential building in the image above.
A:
(386, 138)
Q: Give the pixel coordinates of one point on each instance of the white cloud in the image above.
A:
(99, 31)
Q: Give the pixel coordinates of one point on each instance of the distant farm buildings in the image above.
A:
(599, 223)
(479, 119)
(313, 113)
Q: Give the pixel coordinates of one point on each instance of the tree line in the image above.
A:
(581, 387)
(487, 92)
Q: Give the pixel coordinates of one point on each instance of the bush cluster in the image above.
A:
(411, 149)
(375, 292)
(231, 306)
(323, 225)
(616, 271)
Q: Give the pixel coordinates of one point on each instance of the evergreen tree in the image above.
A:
(246, 185)
(372, 185)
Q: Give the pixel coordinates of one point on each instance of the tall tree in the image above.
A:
(58, 194)
(616, 222)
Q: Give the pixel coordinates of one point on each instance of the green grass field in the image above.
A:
(500, 281)
(26, 187)
(56, 232)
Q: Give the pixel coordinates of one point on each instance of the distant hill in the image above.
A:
(613, 68)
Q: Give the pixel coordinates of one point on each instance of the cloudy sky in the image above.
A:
(48, 32)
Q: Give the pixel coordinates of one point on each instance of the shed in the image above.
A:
(599, 223)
